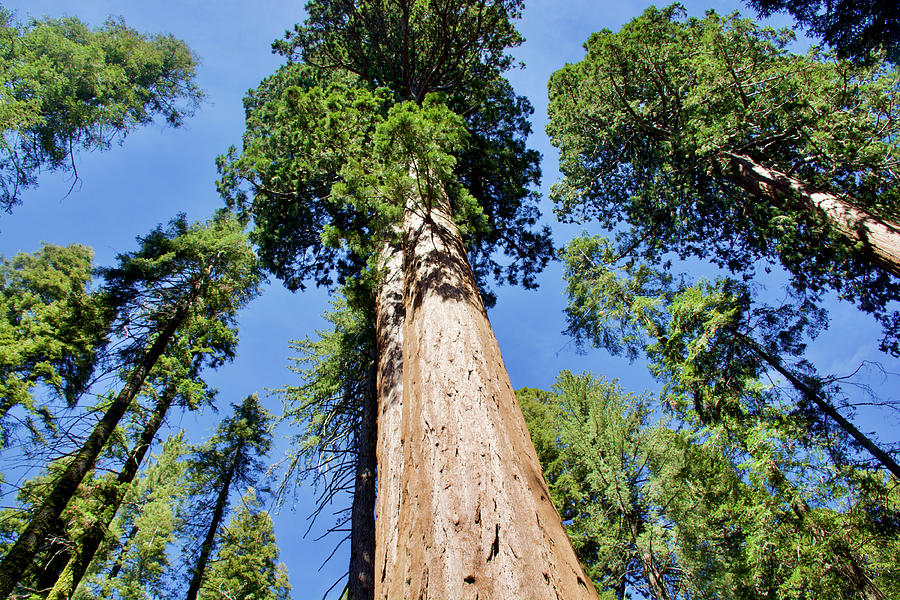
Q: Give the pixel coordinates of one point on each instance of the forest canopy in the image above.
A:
(726, 221)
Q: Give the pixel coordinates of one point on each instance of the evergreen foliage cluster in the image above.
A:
(67, 87)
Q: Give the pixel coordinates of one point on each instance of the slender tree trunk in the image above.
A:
(830, 411)
(879, 239)
(114, 572)
(476, 518)
(74, 571)
(218, 514)
(389, 318)
(20, 556)
(652, 575)
(361, 581)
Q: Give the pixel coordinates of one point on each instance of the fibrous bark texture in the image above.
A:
(878, 238)
(389, 350)
(476, 518)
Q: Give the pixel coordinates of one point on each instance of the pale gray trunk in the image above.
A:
(389, 359)
(877, 238)
(476, 518)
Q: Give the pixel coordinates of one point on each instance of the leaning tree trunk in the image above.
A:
(20, 556)
(814, 396)
(361, 580)
(74, 570)
(120, 559)
(218, 514)
(877, 238)
(476, 518)
(389, 357)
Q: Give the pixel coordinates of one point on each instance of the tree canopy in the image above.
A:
(679, 510)
(68, 87)
(708, 138)
(861, 31)
(322, 210)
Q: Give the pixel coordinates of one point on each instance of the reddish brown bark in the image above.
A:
(476, 519)
(878, 238)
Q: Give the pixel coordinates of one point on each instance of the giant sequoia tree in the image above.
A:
(709, 138)
(391, 141)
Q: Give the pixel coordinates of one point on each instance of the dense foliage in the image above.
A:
(67, 87)
(246, 565)
(52, 328)
(707, 511)
(323, 209)
(861, 31)
(656, 127)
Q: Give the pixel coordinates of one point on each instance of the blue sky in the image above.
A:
(159, 172)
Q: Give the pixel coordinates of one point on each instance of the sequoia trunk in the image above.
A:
(476, 518)
(389, 350)
(878, 238)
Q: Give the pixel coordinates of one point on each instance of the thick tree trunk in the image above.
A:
(78, 563)
(20, 556)
(361, 581)
(389, 356)
(209, 540)
(879, 239)
(476, 520)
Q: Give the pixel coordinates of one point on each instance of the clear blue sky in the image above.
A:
(159, 172)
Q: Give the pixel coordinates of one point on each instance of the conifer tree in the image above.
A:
(707, 342)
(67, 87)
(229, 460)
(393, 141)
(204, 269)
(699, 511)
(708, 138)
(203, 340)
(53, 328)
(246, 565)
(334, 406)
(142, 568)
(860, 31)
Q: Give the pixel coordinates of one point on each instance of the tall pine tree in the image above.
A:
(186, 269)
